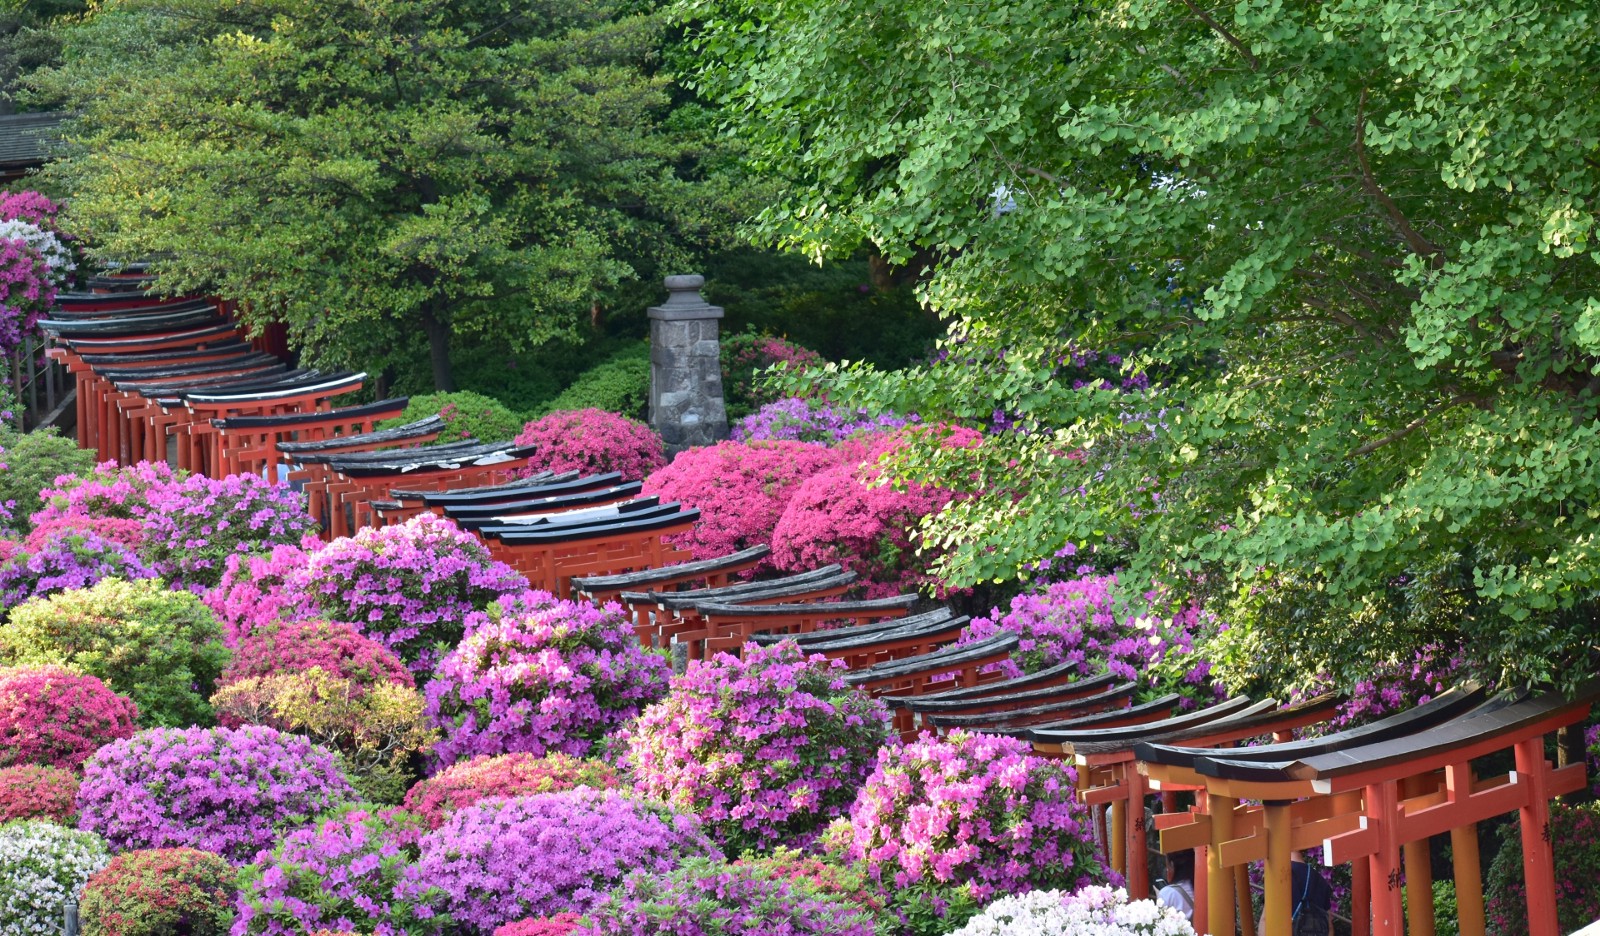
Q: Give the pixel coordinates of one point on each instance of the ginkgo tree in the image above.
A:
(379, 172)
(1351, 242)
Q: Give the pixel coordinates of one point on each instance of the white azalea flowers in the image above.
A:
(1093, 911)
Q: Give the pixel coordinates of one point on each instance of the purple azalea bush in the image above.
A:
(709, 898)
(70, 558)
(410, 586)
(540, 675)
(1078, 622)
(765, 750)
(975, 811)
(351, 871)
(233, 791)
(193, 525)
(801, 420)
(504, 860)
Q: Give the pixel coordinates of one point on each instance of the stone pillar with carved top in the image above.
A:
(686, 403)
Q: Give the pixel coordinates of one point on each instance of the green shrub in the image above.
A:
(160, 892)
(1575, 830)
(32, 462)
(161, 648)
(466, 415)
(618, 384)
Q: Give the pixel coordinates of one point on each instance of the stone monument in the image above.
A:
(686, 405)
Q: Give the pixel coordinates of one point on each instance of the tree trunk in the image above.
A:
(438, 332)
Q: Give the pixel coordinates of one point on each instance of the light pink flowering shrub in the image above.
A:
(337, 648)
(51, 715)
(36, 791)
(233, 791)
(972, 810)
(504, 860)
(540, 675)
(251, 593)
(594, 441)
(741, 490)
(111, 490)
(765, 749)
(521, 774)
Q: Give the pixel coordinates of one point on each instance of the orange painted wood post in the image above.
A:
(1118, 813)
(1219, 883)
(1138, 852)
(1459, 782)
(1383, 808)
(1279, 879)
(1247, 909)
(1538, 860)
(1361, 898)
(1418, 861)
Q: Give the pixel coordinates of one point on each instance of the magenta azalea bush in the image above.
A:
(251, 592)
(233, 791)
(746, 356)
(710, 898)
(410, 586)
(765, 750)
(69, 557)
(798, 420)
(541, 675)
(1393, 686)
(30, 206)
(28, 279)
(562, 924)
(1077, 622)
(193, 525)
(111, 490)
(51, 715)
(122, 530)
(594, 441)
(351, 871)
(741, 490)
(504, 860)
(462, 784)
(337, 648)
(36, 791)
(972, 810)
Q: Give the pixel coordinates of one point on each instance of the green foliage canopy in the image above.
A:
(1353, 239)
(370, 172)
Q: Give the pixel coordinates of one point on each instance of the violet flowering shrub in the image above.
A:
(594, 441)
(765, 750)
(233, 791)
(848, 514)
(68, 558)
(740, 489)
(466, 782)
(1389, 687)
(711, 898)
(162, 648)
(57, 717)
(336, 648)
(353, 870)
(1097, 909)
(37, 791)
(801, 420)
(34, 264)
(411, 586)
(193, 525)
(539, 675)
(971, 812)
(1078, 622)
(503, 860)
(160, 892)
(43, 865)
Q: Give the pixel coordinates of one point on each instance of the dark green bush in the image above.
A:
(619, 384)
(32, 461)
(466, 414)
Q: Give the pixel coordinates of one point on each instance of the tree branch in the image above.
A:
(1222, 31)
(1420, 245)
(1407, 429)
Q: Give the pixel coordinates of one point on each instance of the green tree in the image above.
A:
(372, 172)
(1352, 240)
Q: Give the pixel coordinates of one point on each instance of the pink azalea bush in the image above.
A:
(125, 531)
(1077, 622)
(1574, 831)
(30, 274)
(111, 490)
(233, 791)
(462, 784)
(410, 586)
(503, 860)
(37, 791)
(710, 898)
(562, 924)
(251, 592)
(746, 356)
(540, 675)
(741, 490)
(29, 206)
(972, 811)
(53, 716)
(765, 750)
(337, 648)
(594, 441)
(351, 871)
